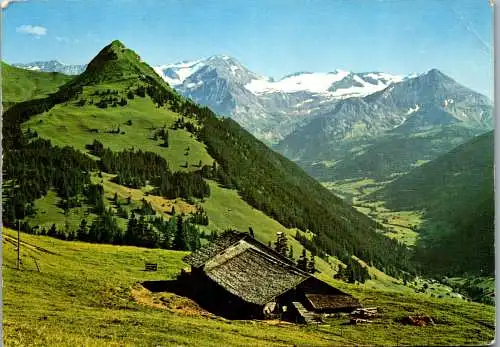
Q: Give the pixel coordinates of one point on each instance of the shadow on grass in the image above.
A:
(206, 299)
(172, 286)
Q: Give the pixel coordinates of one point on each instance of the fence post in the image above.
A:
(36, 263)
(18, 244)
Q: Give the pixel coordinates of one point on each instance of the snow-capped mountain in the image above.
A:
(53, 66)
(269, 109)
(388, 131)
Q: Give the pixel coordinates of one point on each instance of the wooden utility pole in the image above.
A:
(18, 244)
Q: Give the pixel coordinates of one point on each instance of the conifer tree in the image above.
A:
(52, 231)
(180, 239)
(131, 230)
(311, 265)
(251, 232)
(281, 244)
(83, 230)
(290, 253)
(302, 262)
(165, 138)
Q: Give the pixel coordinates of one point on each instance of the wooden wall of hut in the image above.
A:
(219, 301)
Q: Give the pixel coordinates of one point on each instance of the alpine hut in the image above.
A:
(238, 277)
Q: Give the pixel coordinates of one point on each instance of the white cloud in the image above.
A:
(32, 30)
(6, 3)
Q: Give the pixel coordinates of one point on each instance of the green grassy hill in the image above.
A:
(124, 105)
(456, 194)
(90, 295)
(21, 85)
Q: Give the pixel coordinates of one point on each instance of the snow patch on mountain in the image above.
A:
(339, 84)
(448, 102)
(33, 68)
(176, 74)
(315, 82)
(413, 110)
(234, 68)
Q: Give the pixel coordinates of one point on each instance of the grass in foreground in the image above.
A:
(83, 297)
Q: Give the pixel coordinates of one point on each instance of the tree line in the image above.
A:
(137, 168)
(178, 233)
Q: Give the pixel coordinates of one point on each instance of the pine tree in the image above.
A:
(180, 239)
(281, 244)
(130, 233)
(52, 231)
(99, 206)
(302, 262)
(290, 253)
(67, 232)
(311, 265)
(251, 232)
(165, 138)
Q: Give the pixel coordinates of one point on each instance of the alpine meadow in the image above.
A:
(199, 203)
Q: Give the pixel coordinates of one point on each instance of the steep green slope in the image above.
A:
(456, 194)
(121, 102)
(21, 85)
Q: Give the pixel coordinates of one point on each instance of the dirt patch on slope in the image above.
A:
(168, 301)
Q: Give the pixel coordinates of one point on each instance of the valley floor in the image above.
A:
(400, 225)
(89, 295)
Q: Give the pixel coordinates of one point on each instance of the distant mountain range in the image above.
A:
(389, 132)
(338, 124)
(53, 66)
(269, 109)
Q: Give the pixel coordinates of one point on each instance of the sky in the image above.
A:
(271, 37)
